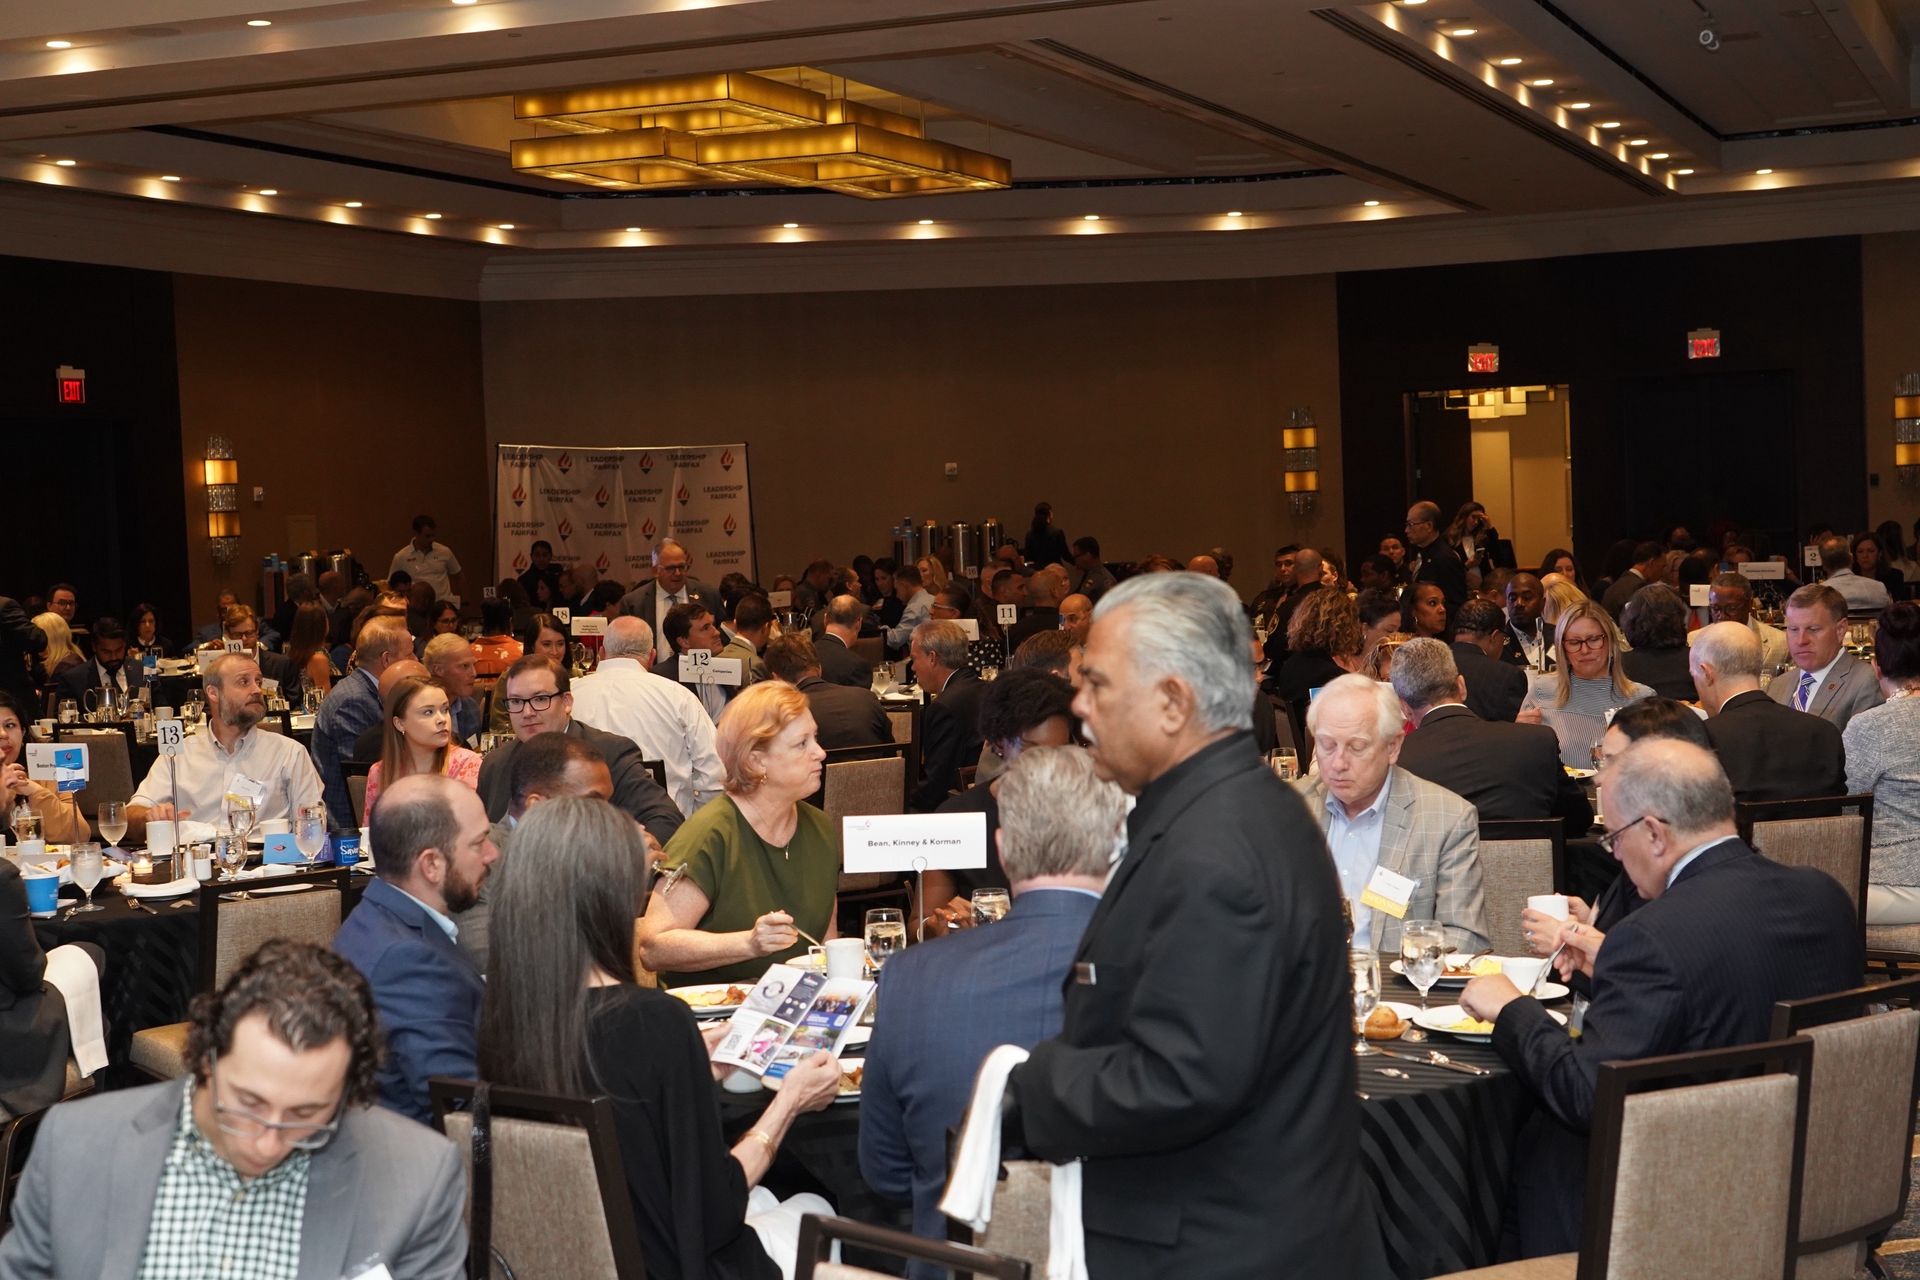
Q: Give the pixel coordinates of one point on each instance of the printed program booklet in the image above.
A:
(789, 1015)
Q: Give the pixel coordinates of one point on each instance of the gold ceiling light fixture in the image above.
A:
(734, 127)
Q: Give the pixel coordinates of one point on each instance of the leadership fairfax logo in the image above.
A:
(729, 524)
(564, 528)
(726, 459)
(564, 462)
(519, 495)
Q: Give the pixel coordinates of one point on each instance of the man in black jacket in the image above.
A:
(1204, 1071)
(1430, 558)
(19, 641)
(1769, 750)
(839, 664)
(842, 715)
(1723, 935)
(1495, 689)
(1505, 770)
(950, 727)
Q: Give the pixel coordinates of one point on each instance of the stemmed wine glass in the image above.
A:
(990, 905)
(310, 832)
(241, 817)
(112, 820)
(1364, 966)
(88, 866)
(1423, 948)
(886, 934)
(231, 853)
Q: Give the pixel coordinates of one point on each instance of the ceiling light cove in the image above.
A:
(1461, 33)
(1540, 83)
(59, 44)
(1509, 62)
(259, 22)
(1578, 106)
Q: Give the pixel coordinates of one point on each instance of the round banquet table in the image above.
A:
(1437, 1148)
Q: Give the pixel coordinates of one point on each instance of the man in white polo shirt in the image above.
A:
(428, 561)
(230, 755)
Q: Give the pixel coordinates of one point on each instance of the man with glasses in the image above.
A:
(1730, 599)
(538, 699)
(671, 585)
(266, 1162)
(1430, 559)
(1723, 934)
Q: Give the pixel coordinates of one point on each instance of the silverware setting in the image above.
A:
(1546, 969)
(1395, 1072)
(1434, 1058)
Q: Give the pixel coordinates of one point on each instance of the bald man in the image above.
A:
(1076, 617)
(1045, 592)
(1430, 558)
(1769, 750)
(1204, 564)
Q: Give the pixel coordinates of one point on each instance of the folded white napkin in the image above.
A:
(976, 1171)
(72, 971)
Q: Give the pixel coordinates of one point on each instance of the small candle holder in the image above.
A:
(153, 868)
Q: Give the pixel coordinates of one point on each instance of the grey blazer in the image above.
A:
(1431, 836)
(385, 1190)
(1848, 689)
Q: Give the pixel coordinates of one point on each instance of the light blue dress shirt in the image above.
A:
(1355, 844)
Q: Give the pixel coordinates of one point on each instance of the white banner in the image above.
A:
(607, 507)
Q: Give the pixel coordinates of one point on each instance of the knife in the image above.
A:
(1461, 1067)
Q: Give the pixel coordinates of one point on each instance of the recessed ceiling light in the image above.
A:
(1092, 217)
(59, 44)
(1235, 213)
(1658, 155)
(1413, 1)
(1464, 32)
(1636, 142)
(68, 164)
(1371, 204)
(259, 22)
(1763, 172)
(1578, 106)
(464, 3)
(169, 177)
(507, 226)
(269, 191)
(1509, 62)
(1609, 124)
(790, 226)
(926, 222)
(1540, 83)
(353, 204)
(431, 217)
(633, 231)
(1683, 172)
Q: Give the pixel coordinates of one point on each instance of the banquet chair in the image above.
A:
(1687, 1178)
(1866, 1083)
(818, 1235)
(871, 650)
(1518, 859)
(1818, 833)
(854, 782)
(658, 768)
(231, 929)
(559, 1203)
(905, 722)
(109, 767)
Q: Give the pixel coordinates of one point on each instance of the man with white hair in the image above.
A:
(1723, 934)
(664, 718)
(1217, 1135)
(1769, 750)
(1378, 818)
(671, 585)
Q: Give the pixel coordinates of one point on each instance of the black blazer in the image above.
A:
(1032, 622)
(844, 716)
(1504, 770)
(1772, 752)
(1440, 564)
(639, 603)
(950, 738)
(1495, 689)
(634, 789)
(33, 1016)
(1662, 670)
(1208, 1034)
(76, 680)
(841, 665)
(19, 641)
(1698, 967)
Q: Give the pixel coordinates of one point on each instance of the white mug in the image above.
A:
(846, 958)
(1549, 904)
(276, 827)
(162, 835)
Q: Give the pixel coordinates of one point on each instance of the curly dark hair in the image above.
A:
(1021, 700)
(309, 997)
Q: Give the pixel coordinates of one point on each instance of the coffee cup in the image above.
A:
(1549, 904)
(162, 835)
(846, 958)
(276, 827)
(43, 888)
(44, 728)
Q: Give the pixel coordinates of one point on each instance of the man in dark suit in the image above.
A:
(1248, 1150)
(1495, 689)
(839, 664)
(671, 585)
(1045, 590)
(950, 728)
(1505, 770)
(19, 641)
(1527, 642)
(1770, 751)
(541, 701)
(842, 715)
(1723, 935)
(1649, 565)
(34, 1040)
(951, 1002)
(1430, 559)
(107, 666)
(435, 848)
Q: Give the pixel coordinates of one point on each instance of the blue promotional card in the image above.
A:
(280, 848)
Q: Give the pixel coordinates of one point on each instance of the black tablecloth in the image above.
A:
(152, 963)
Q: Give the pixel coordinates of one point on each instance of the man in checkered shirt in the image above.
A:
(267, 1162)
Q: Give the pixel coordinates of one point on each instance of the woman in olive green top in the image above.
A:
(754, 862)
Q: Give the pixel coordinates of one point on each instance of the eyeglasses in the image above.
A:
(1571, 642)
(236, 1123)
(1607, 841)
(539, 702)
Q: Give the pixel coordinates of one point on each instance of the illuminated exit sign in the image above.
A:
(72, 384)
(1483, 357)
(1703, 344)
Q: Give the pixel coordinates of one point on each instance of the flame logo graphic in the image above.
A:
(519, 495)
(647, 529)
(729, 525)
(601, 495)
(564, 528)
(564, 462)
(603, 564)
(683, 495)
(726, 464)
(646, 463)
(520, 562)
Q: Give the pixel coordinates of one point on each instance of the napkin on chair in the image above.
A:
(976, 1171)
(72, 971)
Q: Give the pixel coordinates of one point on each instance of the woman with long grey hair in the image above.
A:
(564, 1014)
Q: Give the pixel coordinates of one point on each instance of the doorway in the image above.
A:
(1503, 447)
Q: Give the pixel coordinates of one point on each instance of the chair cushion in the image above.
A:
(1894, 937)
(1561, 1266)
(548, 1219)
(161, 1050)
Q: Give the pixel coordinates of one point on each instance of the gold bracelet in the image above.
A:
(755, 1133)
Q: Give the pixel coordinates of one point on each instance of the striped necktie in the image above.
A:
(1804, 693)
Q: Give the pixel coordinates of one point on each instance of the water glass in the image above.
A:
(1364, 967)
(231, 853)
(1423, 949)
(310, 832)
(69, 711)
(886, 934)
(112, 820)
(990, 905)
(26, 824)
(87, 866)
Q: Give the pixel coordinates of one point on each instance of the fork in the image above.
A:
(1440, 1059)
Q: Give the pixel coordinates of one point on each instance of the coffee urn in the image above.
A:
(933, 540)
(964, 540)
(991, 536)
(906, 541)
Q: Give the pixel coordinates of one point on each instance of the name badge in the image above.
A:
(246, 788)
(1388, 891)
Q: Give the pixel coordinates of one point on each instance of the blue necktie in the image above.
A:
(1804, 693)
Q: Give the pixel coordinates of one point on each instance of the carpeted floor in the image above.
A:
(1900, 1255)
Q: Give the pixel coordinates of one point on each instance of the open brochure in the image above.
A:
(791, 1014)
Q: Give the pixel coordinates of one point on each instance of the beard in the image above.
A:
(460, 892)
(243, 716)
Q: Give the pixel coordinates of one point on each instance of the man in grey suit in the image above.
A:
(671, 585)
(1823, 680)
(1377, 817)
(266, 1160)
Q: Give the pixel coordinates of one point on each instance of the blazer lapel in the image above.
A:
(1831, 687)
(1396, 824)
(326, 1224)
(135, 1180)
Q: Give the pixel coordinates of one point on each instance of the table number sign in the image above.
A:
(62, 763)
(697, 666)
(563, 615)
(170, 736)
(1006, 614)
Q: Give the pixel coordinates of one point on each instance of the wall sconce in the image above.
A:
(1906, 428)
(221, 475)
(1301, 442)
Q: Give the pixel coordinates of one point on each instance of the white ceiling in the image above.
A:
(1161, 116)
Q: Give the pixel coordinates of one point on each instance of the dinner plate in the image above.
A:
(1401, 1010)
(1457, 979)
(847, 1094)
(692, 992)
(171, 889)
(1444, 1017)
(1574, 772)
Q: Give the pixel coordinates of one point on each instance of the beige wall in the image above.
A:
(1148, 414)
(355, 411)
(1520, 474)
(1890, 323)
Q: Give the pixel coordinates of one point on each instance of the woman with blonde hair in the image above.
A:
(60, 652)
(1587, 685)
(1556, 598)
(756, 865)
(933, 574)
(419, 739)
